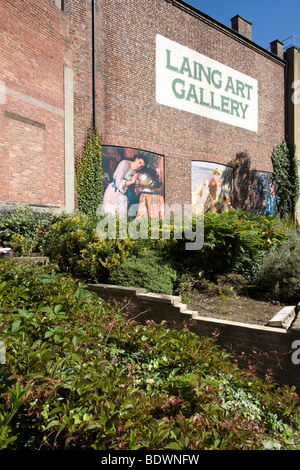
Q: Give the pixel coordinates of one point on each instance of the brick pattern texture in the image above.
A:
(37, 39)
(134, 119)
(31, 57)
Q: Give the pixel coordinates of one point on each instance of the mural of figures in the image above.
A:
(133, 182)
(264, 189)
(211, 187)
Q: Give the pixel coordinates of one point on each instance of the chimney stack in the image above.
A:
(277, 48)
(242, 26)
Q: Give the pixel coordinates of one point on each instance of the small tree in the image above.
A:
(285, 167)
(88, 171)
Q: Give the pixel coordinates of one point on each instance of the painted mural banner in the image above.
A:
(192, 82)
(133, 182)
(264, 193)
(212, 187)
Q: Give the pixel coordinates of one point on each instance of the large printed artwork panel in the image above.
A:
(264, 193)
(212, 187)
(133, 182)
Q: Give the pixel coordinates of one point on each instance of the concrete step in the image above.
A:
(192, 313)
(161, 298)
(283, 318)
(182, 307)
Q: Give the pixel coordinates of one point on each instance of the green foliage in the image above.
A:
(73, 245)
(147, 270)
(66, 238)
(79, 375)
(285, 167)
(22, 229)
(185, 388)
(89, 184)
(234, 242)
(279, 273)
(21, 246)
(100, 257)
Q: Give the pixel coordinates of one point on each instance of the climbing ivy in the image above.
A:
(88, 170)
(285, 167)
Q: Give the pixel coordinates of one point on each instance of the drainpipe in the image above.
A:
(286, 97)
(94, 61)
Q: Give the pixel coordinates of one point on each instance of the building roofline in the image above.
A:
(231, 32)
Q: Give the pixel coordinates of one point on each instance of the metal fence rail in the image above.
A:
(292, 41)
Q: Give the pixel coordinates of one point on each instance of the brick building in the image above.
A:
(158, 77)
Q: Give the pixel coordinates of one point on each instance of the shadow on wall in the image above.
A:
(253, 190)
(242, 182)
(219, 188)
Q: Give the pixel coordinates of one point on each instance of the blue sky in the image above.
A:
(271, 19)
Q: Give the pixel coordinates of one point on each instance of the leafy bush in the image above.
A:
(22, 228)
(72, 243)
(146, 270)
(66, 238)
(80, 375)
(279, 273)
(100, 257)
(233, 242)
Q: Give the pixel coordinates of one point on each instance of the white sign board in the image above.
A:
(192, 82)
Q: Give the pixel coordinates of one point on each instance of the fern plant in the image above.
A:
(89, 185)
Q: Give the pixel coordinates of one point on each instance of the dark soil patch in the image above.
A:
(229, 298)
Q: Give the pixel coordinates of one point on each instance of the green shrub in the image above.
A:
(146, 270)
(23, 228)
(233, 242)
(279, 273)
(81, 376)
(73, 245)
(185, 388)
(100, 257)
(66, 238)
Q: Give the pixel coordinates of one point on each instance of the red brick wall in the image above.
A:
(37, 39)
(134, 119)
(31, 118)
(79, 41)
